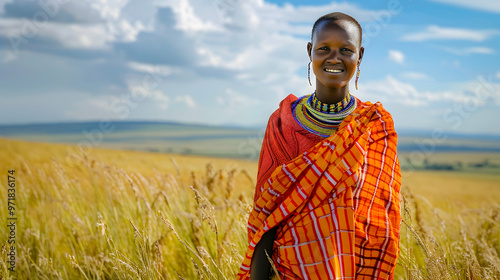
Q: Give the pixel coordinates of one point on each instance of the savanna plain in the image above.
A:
(114, 214)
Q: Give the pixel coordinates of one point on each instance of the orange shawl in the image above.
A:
(335, 201)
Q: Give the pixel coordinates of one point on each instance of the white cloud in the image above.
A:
(110, 10)
(394, 90)
(478, 91)
(232, 98)
(186, 99)
(471, 50)
(434, 32)
(150, 68)
(498, 75)
(482, 5)
(188, 20)
(412, 75)
(211, 59)
(79, 36)
(70, 35)
(290, 19)
(75, 25)
(396, 56)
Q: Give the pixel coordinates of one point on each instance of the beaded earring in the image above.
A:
(309, 73)
(357, 77)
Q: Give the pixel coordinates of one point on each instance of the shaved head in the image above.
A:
(332, 17)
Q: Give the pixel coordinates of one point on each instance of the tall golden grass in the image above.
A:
(96, 217)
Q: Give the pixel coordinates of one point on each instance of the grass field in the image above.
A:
(114, 214)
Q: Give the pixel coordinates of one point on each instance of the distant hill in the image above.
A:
(220, 141)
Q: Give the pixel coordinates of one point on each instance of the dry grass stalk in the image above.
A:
(75, 264)
(198, 271)
(210, 177)
(176, 166)
(137, 193)
(248, 176)
(167, 222)
(230, 182)
(157, 196)
(160, 269)
(206, 210)
(276, 273)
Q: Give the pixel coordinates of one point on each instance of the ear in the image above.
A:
(361, 53)
(309, 48)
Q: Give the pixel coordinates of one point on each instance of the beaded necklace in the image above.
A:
(328, 108)
(320, 118)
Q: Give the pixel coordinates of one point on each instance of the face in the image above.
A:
(335, 53)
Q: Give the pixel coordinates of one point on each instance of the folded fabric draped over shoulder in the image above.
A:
(335, 205)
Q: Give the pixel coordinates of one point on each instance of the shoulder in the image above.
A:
(380, 114)
(287, 102)
(381, 121)
(283, 122)
(285, 108)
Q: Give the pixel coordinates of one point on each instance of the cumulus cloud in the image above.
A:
(186, 99)
(396, 56)
(162, 45)
(435, 32)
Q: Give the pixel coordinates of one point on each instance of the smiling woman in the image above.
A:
(326, 204)
(335, 50)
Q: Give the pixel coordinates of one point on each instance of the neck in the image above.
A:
(331, 95)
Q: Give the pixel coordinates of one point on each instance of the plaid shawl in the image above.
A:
(336, 204)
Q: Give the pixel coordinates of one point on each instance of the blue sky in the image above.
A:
(433, 64)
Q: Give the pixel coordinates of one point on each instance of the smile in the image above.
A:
(333, 70)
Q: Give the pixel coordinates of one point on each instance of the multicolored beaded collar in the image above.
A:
(319, 118)
(329, 108)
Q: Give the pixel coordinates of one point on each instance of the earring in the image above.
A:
(309, 73)
(357, 77)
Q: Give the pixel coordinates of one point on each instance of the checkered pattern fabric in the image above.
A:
(336, 205)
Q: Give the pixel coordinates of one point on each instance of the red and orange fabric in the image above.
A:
(334, 200)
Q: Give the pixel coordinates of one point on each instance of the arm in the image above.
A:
(260, 266)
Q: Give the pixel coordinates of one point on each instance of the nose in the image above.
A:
(334, 56)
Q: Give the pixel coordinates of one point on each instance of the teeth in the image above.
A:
(333, 70)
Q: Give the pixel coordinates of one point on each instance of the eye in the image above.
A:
(324, 48)
(346, 49)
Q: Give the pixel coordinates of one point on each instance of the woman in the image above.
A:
(326, 204)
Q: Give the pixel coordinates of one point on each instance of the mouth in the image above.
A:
(333, 71)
